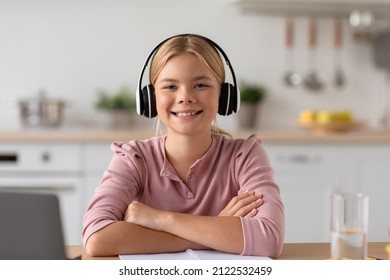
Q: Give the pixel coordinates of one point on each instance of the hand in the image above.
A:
(243, 205)
(143, 215)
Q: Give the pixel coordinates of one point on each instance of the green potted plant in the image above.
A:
(251, 96)
(120, 106)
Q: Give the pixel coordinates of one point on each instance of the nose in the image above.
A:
(185, 95)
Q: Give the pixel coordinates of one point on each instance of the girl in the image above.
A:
(195, 187)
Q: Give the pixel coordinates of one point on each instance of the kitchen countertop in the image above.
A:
(104, 135)
(291, 251)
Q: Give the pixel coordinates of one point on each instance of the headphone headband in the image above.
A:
(145, 96)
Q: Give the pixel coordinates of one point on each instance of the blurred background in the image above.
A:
(62, 61)
(74, 48)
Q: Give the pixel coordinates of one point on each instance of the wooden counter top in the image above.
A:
(96, 135)
(291, 251)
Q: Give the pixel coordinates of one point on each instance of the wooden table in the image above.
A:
(321, 251)
(291, 251)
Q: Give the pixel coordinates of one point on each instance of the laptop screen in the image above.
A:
(30, 226)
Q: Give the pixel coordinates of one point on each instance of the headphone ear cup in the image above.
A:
(222, 100)
(148, 101)
(227, 100)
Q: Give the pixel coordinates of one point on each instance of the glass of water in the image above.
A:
(349, 226)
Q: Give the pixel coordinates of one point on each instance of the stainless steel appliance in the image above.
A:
(41, 111)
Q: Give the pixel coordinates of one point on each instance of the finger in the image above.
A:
(237, 198)
(227, 211)
(242, 203)
(248, 208)
(252, 213)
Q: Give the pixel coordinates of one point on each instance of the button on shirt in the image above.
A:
(140, 170)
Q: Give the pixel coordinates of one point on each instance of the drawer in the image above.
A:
(314, 158)
(40, 157)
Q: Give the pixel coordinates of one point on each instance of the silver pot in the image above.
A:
(41, 111)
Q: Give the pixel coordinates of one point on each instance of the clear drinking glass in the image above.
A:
(349, 226)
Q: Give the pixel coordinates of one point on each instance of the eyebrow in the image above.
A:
(202, 77)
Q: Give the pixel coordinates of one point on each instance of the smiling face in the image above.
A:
(187, 95)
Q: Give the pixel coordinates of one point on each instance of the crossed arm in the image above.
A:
(148, 230)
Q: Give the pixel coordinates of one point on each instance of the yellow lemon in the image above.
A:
(325, 117)
(307, 116)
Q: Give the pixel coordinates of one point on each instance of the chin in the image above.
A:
(190, 131)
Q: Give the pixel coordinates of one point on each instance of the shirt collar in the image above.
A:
(167, 169)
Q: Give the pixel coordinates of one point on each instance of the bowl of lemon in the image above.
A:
(329, 120)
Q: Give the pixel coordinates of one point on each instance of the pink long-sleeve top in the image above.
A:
(140, 170)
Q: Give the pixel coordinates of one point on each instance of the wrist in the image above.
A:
(166, 221)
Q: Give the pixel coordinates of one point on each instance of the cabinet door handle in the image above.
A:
(300, 159)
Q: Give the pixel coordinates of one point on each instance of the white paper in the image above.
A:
(190, 254)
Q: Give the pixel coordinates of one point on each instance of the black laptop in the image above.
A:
(30, 226)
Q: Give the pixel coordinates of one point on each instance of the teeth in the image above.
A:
(186, 114)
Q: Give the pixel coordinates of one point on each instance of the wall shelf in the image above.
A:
(319, 8)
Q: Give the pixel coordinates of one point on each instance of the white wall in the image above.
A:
(72, 48)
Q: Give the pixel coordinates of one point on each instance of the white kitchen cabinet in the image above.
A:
(97, 158)
(367, 170)
(307, 175)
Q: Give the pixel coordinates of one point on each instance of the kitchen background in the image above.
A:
(74, 48)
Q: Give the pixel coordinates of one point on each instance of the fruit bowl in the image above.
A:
(328, 120)
(332, 127)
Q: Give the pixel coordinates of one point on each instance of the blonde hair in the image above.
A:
(206, 53)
